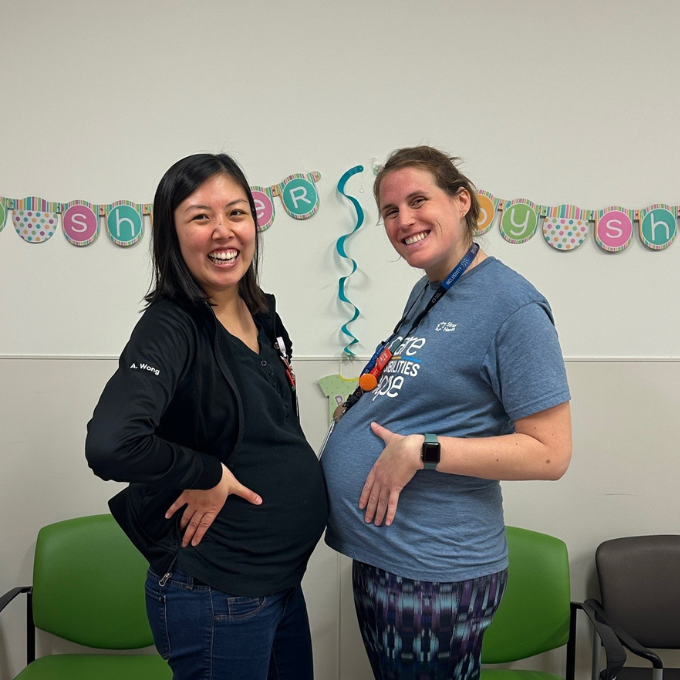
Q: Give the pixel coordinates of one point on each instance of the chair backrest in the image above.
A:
(640, 587)
(533, 616)
(88, 584)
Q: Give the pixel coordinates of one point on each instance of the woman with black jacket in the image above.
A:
(225, 498)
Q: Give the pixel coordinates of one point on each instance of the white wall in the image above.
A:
(553, 101)
(569, 102)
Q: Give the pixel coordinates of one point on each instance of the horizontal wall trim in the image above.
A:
(360, 359)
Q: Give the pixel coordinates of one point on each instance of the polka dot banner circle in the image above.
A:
(35, 226)
(564, 233)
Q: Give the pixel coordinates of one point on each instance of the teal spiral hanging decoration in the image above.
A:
(340, 247)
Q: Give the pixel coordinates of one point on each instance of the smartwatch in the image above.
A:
(431, 453)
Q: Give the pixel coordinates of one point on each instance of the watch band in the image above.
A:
(431, 453)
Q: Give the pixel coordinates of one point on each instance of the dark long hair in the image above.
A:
(171, 276)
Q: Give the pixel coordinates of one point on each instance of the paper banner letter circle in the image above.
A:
(35, 226)
(264, 207)
(3, 216)
(614, 231)
(300, 198)
(487, 212)
(124, 225)
(658, 229)
(564, 233)
(80, 225)
(519, 223)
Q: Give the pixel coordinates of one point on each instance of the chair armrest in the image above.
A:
(11, 594)
(30, 628)
(626, 640)
(614, 651)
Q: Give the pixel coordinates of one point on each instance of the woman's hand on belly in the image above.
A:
(203, 505)
(393, 470)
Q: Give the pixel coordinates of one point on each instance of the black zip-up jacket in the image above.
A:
(167, 419)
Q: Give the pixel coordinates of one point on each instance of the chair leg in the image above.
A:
(571, 644)
(597, 649)
(30, 630)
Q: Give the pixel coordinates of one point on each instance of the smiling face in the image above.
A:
(425, 224)
(216, 233)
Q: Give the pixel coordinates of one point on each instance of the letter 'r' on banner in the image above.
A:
(299, 195)
(657, 226)
(614, 228)
(124, 223)
(488, 205)
(80, 223)
(264, 206)
(35, 220)
(519, 221)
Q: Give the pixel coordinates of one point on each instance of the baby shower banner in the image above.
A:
(36, 220)
(564, 228)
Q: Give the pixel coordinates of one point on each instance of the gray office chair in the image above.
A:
(640, 587)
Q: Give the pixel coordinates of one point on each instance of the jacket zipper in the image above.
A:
(168, 573)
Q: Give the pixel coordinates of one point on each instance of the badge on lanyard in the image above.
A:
(370, 376)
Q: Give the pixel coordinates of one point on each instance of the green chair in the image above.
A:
(88, 587)
(536, 614)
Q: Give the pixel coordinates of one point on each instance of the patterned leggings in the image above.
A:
(419, 630)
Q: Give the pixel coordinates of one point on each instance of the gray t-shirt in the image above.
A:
(486, 355)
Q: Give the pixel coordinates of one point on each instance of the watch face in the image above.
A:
(431, 453)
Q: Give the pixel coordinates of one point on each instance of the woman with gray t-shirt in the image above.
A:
(469, 389)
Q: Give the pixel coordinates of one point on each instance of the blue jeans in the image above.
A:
(204, 633)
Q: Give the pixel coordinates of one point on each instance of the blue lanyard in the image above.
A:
(444, 287)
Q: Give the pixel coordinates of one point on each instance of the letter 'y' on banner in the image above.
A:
(519, 220)
(3, 212)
